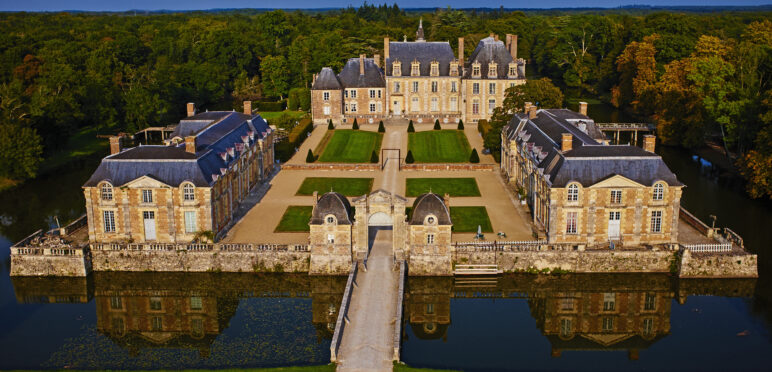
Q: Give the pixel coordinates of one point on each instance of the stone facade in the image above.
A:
(379, 209)
(718, 265)
(200, 261)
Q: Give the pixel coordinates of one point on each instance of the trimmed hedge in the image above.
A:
(271, 106)
(285, 149)
(484, 127)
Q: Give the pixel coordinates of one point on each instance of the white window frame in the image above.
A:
(326, 110)
(429, 238)
(435, 86)
(616, 197)
(435, 104)
(656, 221)
(188, 192)
(147, 196)
(491, 105)
(453, 87)
(326, 96)
(106, 192)
(573, 193)
(415, 87)
(372, 93)
(190, 221)
(658, 193)
(491, 88)
(572, 222)
(475, 88)
(108, 218)
(372, 107)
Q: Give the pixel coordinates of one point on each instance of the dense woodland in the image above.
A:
(700, 76)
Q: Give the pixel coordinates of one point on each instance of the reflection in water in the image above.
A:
(180, 320)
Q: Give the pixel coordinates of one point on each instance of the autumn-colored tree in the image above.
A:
(637, 69)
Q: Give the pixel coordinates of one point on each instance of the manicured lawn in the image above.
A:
(351, 146)
(295, 219)
(270, 115)
(441, 186)
(345, 186)
(466, 219)
(439, 146)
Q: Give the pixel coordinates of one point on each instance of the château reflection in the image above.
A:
(624, 312)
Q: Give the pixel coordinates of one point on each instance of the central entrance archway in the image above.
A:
(379, 211)
(380, 219)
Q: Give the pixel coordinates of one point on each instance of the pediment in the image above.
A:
(617, 181)
(607, 339)
(145, 182)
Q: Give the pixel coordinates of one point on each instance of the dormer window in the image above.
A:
(476, 69)
(106, 192)
(396, 68)
(512, 70)
(492, 70)
(330, 219)
(454, 68)
(435, 68)
(415, 68)
(188, 192)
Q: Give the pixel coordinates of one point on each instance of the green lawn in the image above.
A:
(270, 115)
(345, 186)
(84, 143)
(295, 219)
(439, 146)
(441, 186)
(465, 219)
(351, 146)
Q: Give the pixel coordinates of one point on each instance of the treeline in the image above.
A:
(60, 72)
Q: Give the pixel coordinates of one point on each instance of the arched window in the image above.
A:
(659, 191)
(188, 192)
(106, 191)
(573, 192)
(330, 220)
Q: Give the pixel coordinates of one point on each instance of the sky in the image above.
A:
(115, 5)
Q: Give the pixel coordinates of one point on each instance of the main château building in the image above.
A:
(419, 80)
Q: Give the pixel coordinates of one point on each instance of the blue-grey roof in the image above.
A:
(424, 52)
(430, 203)
(350, 78)
(487, 50)
(326, 80)
(335, 204)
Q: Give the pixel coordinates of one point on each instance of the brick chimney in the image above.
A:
(361, 64)
(649, 142)
(446, 200)
(316, 197)
(567, 142)
(527, 107)
(532, 113)
(190, 144)
(248, 107)
(377, 59)
(191, 109)
(496, 37)
(583, 108)
(513, 47)
(115, 145)
(385, 49)
(461, 52)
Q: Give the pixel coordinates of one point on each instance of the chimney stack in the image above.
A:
(385, 49)
(461, 52)
(583, 108)
(496, 37)
(316, 197)
(361, 64)
(377, 59)
(248, 107)
(527, 107)
(446, 200)
(508, 41)
(115, 145)
(567, 142)
(190, 144)
(532, 113)
(191, 109)
(513, 47)
(649, 142)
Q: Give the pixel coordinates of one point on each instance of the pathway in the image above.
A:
(392, 139)
(367, 343)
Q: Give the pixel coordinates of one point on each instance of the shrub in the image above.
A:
(483, 127)
(330, 126)
(305, 99)
(410, 128)
(356, 126)
(409, 158)
(460, 124)
(374, 157)
(381, 128)
(293, 99)
(310, 157)
(474, 158)
(437, 124)
(271, 106)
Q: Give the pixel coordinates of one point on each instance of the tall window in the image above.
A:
(565, 327)
(429, 238)
(453, 87)
(196, 303)
(656, 221)
(396, 87)
(573, 193)
(109, 218)
(434, 87)
(379, 93)
(116, 303)
(648, 326)
(415, 87)
(475, 107)
(476, 88)
(353, 107)
(659, 191)
(453, 104)
(188, 192)
(155, 303)
(649, 301)
(608, 324)
(372, 107)
(157, 323)
(106, 192)
(372, 93)
(491, 105)
(570, 222)
(492, 88)
(326, 96)
(616, 196)
(326, 110)
(353, 93)
(435, 105)
(197, 327)
(147, 196)
(476, 70)
(414, 106)
(190, 222)
(609, 301)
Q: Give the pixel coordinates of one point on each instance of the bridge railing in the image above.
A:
(708, 248)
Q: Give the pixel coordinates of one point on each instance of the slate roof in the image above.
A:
(350, 78)
(430, 203)
(424, 52)
(589, 161)
(172, 165)
(487, 50)
(335, 204)
(326, 80)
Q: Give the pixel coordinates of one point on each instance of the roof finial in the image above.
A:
(419, 35)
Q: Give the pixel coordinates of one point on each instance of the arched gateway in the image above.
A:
(379, 209)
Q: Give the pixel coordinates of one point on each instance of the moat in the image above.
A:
(207, 320)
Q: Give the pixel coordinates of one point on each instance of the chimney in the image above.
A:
(190, 144)
(649, 142)
(527, 107)
(446, 200)
(532, 113)
(191, 109)
(583, 108)
(248, 107)
(513, 47)
(496, 37)
(461, 52)
(316, 197)
(509, 40)
(361, 64)
(115, 145)
(567, 142)
(313, 79)
(385, 49)
(377, 59)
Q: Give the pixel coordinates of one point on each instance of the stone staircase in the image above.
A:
(477, 270)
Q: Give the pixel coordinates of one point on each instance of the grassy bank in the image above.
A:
(441, 186)
(295, 219)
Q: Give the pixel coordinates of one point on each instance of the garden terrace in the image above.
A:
(345, 186)
(439, 146)
(465, 219)
(441, 186)
(295, 219)
(349, 146)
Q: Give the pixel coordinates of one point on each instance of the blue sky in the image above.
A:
(113, 5)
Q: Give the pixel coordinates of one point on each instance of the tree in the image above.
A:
(355, 126)
(460, 124)
(410, 128)
(437, 124)
(474, 158)
(374, 157)
(409, 158)
(20, 151)
(274, 72)
(541, 92)
(247, 88)
(310, 158)
(381, 128)
(637, 69)
(330, 126)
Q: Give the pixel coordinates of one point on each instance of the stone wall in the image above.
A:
(718, 265)
(332, 166)
(335, 104)
(448, 167)
(200, 261)
(49, 265)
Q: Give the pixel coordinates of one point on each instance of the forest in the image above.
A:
(701, 76)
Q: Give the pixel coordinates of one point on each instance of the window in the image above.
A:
(147, 196)
(353, 93)
(511, 85)
(648, 326)
(491, 70)
(453, 104)
(659, 191)
(571, 223)
(107, 192)
(649, 301)
(512, 71)
(453, 87)
(491, 105)
(429, 308)
(119, 326)
(435, 105)
(346, 108)
(372, 93)
(415, 71)
(434, 87)
(196, 303)
(330, 238)
(414, 106)
(379, 106)
(155, 303)
(656, 221)
(188, 192)
(157, 323)
(429, 238)
(609, 301)
(396, 69)
(608, 324)
(190, 222)
(330, 219)
(396, 87)
(565, 327)
(353, 107)
(476, 88)
(435, 69)
(492, 88)
(475, 107)
(372, 107)
(326, 110)
(197, 327)
(566, 304)
(415, 87)
(326, 96)
(109, 218)
(116, 303)
(616, 196)
(430, 220)
(573, 193)
(476, 70)
(379, 93)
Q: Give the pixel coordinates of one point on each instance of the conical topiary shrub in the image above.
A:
(330, 125)
(409, 158)
(437, 124)
(460, 124)
(381, 128)
(310, 156)
(374, 157)
(355, 126)
(410, 128)
(474, 158)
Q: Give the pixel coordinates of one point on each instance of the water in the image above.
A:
(511, 322)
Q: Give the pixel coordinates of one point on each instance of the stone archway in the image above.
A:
(379, 210)
(380, 219)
